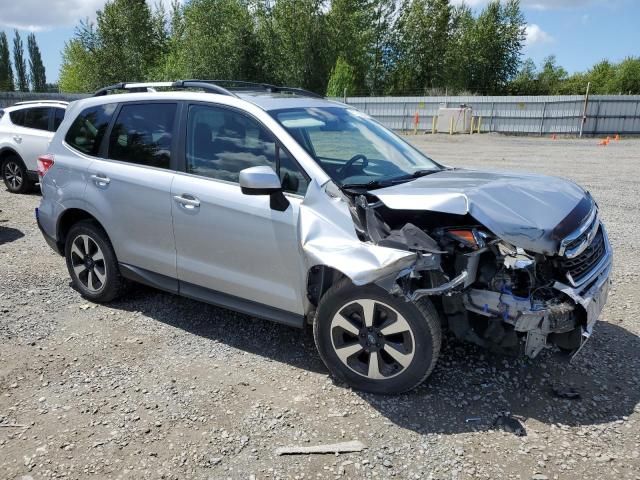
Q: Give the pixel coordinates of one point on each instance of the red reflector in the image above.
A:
(45, 162)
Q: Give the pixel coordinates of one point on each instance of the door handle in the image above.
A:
(17, 138)
(187, 201)
(100, 180)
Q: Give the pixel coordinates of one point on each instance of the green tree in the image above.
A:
(575, 84)
(497, 40)
(342, 79)
(600, 76)
(526, 81)
(627, 77)
(214, 41)
(22, 80)
(420, 44)
(460, 54)
(551, 76)
(78, 72)
(6, 72)
(350, 25)
(293, 38)
(127, 46)
(170, 66)
(383, 14)
(36, 67)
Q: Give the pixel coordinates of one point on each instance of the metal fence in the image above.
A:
(526, 115)
(540, 115)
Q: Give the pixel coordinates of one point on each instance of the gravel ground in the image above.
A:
(156, 386)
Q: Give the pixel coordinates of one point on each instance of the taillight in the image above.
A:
(45, 162)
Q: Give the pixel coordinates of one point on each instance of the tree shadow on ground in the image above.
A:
(9, 234)
(469, 386)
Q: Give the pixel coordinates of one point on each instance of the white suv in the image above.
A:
(25, 132)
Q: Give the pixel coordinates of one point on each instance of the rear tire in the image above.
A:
(15, 175)
(92, 263)
(376, 342)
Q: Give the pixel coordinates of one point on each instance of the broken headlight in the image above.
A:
(473, 238)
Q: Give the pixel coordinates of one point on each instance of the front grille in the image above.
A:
(578, 267)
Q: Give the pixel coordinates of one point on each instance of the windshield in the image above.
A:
(353, 149)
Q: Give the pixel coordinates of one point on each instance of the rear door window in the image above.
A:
(58, 116)
(143, 134)
(37, 118)
(88, 129)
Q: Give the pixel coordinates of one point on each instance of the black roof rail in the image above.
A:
(204, 85)
(251, 86)
(179, 84)
(212, 86)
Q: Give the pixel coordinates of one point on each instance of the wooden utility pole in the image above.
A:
(584, 110)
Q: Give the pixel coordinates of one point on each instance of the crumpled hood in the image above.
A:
(530, 211)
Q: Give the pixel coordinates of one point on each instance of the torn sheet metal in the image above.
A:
(524, 314)
(533, 212)
(328, 237)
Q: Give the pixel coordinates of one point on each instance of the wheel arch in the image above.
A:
(7, 152)
(68, 219)
(319, 279)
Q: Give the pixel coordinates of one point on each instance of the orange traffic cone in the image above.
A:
(608, 140)
(617, 137)
(603, 143)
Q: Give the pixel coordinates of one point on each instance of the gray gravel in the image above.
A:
(156, 386)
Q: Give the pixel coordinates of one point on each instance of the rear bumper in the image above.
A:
(51, 241)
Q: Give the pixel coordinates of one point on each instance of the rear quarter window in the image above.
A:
(89, 127)
(17, 117)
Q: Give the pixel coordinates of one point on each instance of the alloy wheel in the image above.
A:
(372, 339)
(87, 260)
(13, 175)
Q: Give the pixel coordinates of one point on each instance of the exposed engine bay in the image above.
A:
(488, 291)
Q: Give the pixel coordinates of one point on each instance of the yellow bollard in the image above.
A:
(479, 123)
(433, 125)
(471, 128)
(451, 126)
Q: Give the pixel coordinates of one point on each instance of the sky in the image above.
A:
(579, 32)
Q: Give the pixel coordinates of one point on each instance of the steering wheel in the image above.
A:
(345, 168)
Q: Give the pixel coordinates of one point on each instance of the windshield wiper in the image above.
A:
(391, 181)
(423, 173)
(367, 185)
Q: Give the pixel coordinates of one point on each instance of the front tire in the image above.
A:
(92, 263)
(15, 175)
(376, 342)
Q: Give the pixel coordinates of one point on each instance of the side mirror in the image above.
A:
(264, 181)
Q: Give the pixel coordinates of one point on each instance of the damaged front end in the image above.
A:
(488, 290)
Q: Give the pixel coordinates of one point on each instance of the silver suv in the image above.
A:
(25, 132)
(277, 203)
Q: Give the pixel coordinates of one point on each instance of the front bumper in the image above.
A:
(590, 295)
(568, 324)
